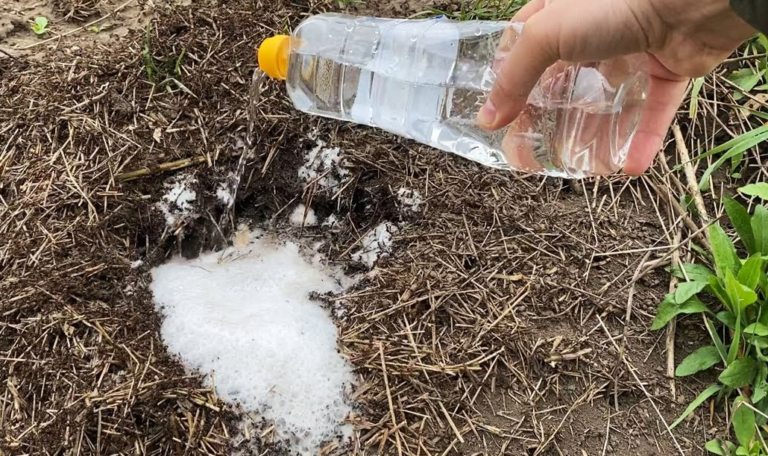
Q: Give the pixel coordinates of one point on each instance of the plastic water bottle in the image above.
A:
(427, 79)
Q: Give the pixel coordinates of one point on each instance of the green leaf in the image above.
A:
(669, 309)
(733, 350)
(743, 422)
(759, 189)
(40, 25)
(718, 290)
(727, 318)
(692, 272)
(716, 446)
(740, 220)
(716, 339)
(746, 78)
(734, 147)
(703, 396)
(740, 296)
(687, 290)
(749, 274)
(695, 89)
(760, 229)
(761, 387)
(759, 341)
(713, 446)
(699, 360)
(739, 373)
(756, 329)
(686, 201)
(723, 251)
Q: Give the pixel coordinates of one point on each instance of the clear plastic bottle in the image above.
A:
(427, 79)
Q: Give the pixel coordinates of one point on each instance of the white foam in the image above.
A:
(324, 166)
(246, 316)
(410, 199)
(297, 216)
(223, 194)
(176, 204)
(375, 244)
(332, 221)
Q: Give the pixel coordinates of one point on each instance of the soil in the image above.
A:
(497, 325)
(86, 24)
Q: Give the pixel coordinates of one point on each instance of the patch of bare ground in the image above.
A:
(510, 318)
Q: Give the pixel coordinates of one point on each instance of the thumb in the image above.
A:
(574, 31)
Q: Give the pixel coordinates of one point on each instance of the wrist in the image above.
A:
(753, 12)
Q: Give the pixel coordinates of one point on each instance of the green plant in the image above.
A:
(491, 10)
(346, 3)
(40, 25)
(739, 331)
(163, 73)
(759, 189)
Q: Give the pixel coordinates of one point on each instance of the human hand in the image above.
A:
(683, 39)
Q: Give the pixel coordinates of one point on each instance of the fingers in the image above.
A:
(573, 30)
(663, 99)
(529, 10)
(535, 50)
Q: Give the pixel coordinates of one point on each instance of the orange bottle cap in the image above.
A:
(273, 56)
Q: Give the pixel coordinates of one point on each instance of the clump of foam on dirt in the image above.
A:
(409, 199)
(224, 195)
(331, 222)
(298, 219)
(245, 315)
(177, 203)
(324, 166)
(376, 243)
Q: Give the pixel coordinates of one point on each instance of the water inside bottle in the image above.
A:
(426, 80)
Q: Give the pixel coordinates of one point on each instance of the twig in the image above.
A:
(690, 174)
(389, 399)
(112, 13)
(627, 318)
(451, 423)
(163, 167)
(671, 327)
(698, 232)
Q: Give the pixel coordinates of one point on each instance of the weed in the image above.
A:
(163, 73)
(346, 3)
(99, 28)
(489, 10)
(759, 189)
(741, 288)
(40, 25)
(733, 150)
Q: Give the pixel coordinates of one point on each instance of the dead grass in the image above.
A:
(511, 317)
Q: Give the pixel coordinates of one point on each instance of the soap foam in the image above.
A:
(245, 315)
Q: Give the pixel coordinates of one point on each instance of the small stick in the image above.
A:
(672, 326)
(690, 174)
(451, 423)
(389, 399)
(116, 10)
(698, 232)
(168, 166)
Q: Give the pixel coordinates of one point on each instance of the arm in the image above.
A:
(754, 12)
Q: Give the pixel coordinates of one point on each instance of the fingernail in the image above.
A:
(487, 114)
